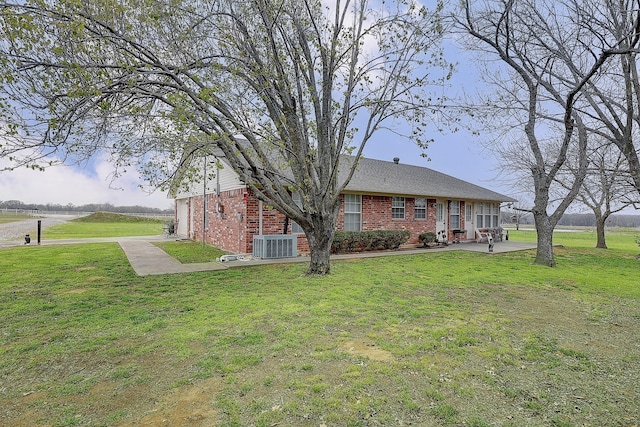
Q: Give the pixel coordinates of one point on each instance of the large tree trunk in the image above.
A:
(544, 227)
(320, 250)
(600, 222)
(320, 238)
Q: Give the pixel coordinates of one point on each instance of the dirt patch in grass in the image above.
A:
(367, 350)
(191, 405)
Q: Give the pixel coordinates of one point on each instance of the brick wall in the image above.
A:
(226, 220)
(376, 215)
(226, 230)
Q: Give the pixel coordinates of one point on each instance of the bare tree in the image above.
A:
(282, 88)
(608, 187)
(516, 213)
(612, 99)
(549, 59)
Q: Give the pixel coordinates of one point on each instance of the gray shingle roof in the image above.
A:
(382, 177)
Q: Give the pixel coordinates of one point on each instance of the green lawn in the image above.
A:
(616, 238)
(11, 217)
(102, 224)
(72, 230)
(190, 252)
(440, 339)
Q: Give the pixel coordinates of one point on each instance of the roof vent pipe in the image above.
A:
(396, 160)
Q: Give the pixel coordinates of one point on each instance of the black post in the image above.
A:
(39, 230)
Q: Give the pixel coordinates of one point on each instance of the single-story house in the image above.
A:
(381, 195)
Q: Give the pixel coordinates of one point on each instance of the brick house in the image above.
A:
(381, 195)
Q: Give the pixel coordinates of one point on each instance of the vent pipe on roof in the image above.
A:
(396, 160)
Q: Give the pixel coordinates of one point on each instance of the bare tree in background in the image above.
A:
(612, 98)
(608, 187)
(549, 57)
(282, 88)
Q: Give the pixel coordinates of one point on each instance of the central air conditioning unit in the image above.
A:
(275, 246)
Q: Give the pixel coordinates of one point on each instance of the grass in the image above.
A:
(109, 217)
(12, 217)
(190, 252)
(616, 238)
(474, 340)
(101, 224)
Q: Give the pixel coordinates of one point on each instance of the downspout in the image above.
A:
(217, 177)
(204, 203)
(260, 217)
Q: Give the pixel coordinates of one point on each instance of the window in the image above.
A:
(397, 207)
(487, 214)
(352, 212)
(439, 212)
(454, 215)
(468, 214)
(420, 208)
(295, 228)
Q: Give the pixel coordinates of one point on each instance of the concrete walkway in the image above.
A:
(147, 259)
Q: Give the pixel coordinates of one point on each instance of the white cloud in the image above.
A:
(67, 184)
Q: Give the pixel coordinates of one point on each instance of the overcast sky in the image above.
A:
(78, 186)
(458, 154)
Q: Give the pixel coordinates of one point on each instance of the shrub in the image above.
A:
(427, 237)
(350, 241)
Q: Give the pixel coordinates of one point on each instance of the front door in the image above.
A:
(468, 220)
(441, 221)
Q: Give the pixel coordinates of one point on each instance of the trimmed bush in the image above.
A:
(358, 241)
(427, 238)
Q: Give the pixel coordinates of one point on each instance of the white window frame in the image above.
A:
(420, 208)
(454, 215)
(398, 207)
(352, 212)
(479, 215)
(487, 214)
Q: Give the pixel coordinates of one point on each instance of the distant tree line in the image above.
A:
(589, 220)
(92, 207)
(579, 220)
